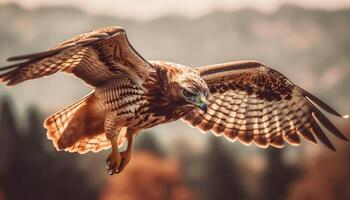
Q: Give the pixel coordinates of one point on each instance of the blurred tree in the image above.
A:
(325, 177)
(33, 173)
(191, 164)
(147, 177)
(147, 142)
(9, 134)
(35, 127)
(277, 176)
(221, 177)
(2, 197)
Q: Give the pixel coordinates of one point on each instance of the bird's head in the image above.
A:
(183, 85)
(191, 88)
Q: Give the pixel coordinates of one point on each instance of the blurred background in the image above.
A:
(307, 41)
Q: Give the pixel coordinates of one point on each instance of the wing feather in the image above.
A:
(94, 57)
(256, 104)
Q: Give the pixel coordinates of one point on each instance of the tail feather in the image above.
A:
(57, 123)
(95, 144)
(77, 128)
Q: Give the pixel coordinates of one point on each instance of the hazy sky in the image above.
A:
(146, 9)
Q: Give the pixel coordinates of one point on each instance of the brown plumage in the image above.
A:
(244, 100)
(255, 104)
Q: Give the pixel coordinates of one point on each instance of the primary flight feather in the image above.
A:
(242, 100)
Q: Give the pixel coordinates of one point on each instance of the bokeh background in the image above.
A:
(309, 41)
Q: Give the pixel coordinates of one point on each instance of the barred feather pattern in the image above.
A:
(94, 57)
(57, 123)
(235, 114)
(123, 97)
(247, 100)
(255, 104)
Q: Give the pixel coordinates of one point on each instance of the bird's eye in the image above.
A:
(187, 93)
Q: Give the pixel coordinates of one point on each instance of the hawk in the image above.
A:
(243, 100)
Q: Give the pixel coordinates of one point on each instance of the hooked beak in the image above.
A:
(202, 104)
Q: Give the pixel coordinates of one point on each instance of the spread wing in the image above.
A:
(94, 57)
(256, 104)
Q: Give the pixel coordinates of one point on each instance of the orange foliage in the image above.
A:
(325, 178)
(2, 196)
(147, 177)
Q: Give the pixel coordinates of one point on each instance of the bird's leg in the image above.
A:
(114, 158)
(126, 155)
(112, 132)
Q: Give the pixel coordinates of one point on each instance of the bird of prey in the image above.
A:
(243, 100)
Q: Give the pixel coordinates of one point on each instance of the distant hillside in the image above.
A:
(312, 47)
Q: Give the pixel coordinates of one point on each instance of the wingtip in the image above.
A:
(17, 58)
(10, 59)
(6, 68)
(322, 104)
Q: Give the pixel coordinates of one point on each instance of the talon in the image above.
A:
(125, 158)
(116, 162)
(113, 162)
(121, 163)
